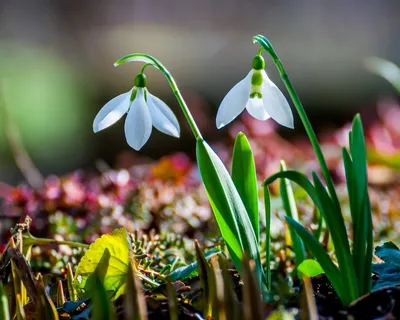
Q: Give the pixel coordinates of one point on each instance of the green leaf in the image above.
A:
(386, 69)
(310, 268)
(267, 205)
(228, 208)
(299, 179)
(335, 224)
(4, 312)
(134, 299)
(109, 257)
(389, 275)
(319, 253)
(289, 204)
(389, 252)
(191, 270)
(102, 307)
(245, 179)
(138, 57)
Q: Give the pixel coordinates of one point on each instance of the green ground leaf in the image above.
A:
(108, 257)
(389, 253)
(310, 268)
(245, 179)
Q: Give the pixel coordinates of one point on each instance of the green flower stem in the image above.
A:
(30, 240)
(149, 60)
(264, 42)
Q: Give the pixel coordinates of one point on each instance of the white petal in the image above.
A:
(275, 103)
(255, 107)
(111, 112)
(138, 122)
(162, 117)
(234, 102)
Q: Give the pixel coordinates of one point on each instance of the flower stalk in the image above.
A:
(266, 45)
(149, 60)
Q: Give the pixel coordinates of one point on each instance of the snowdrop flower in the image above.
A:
(259, 95)
(143, 111)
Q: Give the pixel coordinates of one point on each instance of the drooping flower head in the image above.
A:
(259, 95)
(144, 111)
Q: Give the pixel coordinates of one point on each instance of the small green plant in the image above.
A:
(352, 277)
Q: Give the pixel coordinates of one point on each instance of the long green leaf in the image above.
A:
(4, 312)
(289, 204)
(362, 220)
(245, 179)
(267, 205)
(319, 253)
(299, 179)
(228, 208)
(335, 223)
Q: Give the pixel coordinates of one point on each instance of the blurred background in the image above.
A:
(56, 67)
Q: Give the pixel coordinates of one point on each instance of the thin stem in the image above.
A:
(30, 240)
(157, 64)
(266, 45)
(267, 205)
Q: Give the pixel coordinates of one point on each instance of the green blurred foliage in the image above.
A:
(46, 101)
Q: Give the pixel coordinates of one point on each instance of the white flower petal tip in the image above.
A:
(163, 118)
(111, 112)
(138, 124)
(234, 102)
(276, 104)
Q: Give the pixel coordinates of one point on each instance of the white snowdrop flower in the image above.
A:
(143, 112)
(259, 95)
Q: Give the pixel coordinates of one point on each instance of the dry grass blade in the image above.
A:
(206, 281)
(24, 273)
(60, 294)
(232, 312)
(172, 301)
(70, 279)
(308, 305)
(252, 302)
(135, 303)
(220, 305)
(45, 309)
(20, 309)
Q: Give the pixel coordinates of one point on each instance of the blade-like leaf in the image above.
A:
(228, 208)
(206, 281)
(135, 303)
(335, 223)
(299, 179)
(137, 57)
(319, 253)
(245, 179)
(267, 205)
(289, 204)
(362, 220)
(4, 312)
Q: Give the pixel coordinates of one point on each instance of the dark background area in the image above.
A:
(56, 66)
